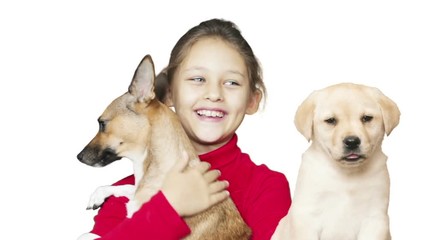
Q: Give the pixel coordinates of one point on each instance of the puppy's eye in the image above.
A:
(332, 121)
(102, 125)
(366, 118)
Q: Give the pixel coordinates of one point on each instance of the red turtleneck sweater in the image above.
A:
(261, 195)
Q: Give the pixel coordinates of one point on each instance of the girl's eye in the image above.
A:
(198, 79)
(232, 83)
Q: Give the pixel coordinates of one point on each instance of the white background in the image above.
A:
(62, 62)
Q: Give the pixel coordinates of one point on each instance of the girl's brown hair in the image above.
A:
(228, 32)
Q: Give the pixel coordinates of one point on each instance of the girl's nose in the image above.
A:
(214, 93)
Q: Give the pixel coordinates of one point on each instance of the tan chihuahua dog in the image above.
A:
(139, 127)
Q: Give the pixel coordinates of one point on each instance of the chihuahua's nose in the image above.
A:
(351, 142)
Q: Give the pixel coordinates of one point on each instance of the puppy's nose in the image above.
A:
(351, 142)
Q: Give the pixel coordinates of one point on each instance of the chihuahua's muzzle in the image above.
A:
(96, 156)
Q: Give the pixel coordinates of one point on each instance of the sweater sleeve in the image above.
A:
(156, 214)
(155, 220)
(270, 202)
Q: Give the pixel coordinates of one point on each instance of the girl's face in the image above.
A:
(211, 93)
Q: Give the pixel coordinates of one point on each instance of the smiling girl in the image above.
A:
(214, 81)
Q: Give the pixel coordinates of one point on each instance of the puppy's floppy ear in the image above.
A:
(142, 85)
(389, 110)
(304, 117)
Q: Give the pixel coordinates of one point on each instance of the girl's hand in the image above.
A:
(195, 189)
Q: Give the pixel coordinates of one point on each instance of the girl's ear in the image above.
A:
(254, 101)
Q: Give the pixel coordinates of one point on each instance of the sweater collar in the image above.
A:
(223, 155)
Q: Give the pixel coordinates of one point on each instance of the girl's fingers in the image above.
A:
(202, 167)
(211, 175)
(219, 197)
(218, 186)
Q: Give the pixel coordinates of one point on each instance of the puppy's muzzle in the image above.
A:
(351, 143)
(352, 153)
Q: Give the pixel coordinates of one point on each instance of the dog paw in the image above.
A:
(88, 236)
(131, 207)
(98, 197)
(101, 193)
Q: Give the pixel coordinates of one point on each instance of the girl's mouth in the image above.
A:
(210, 113)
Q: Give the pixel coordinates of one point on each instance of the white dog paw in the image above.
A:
(88, 236)
(101, 193)
(131, 207)
(98, 197)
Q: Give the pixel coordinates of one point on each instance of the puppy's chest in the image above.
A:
(342, 205)
(341, 200)
(339, 213)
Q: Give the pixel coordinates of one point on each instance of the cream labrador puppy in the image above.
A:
(343, 185)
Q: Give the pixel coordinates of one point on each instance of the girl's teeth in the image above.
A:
(209, 113)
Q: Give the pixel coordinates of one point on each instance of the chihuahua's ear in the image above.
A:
(389, 110)
(162, 88)
(142, 85)
(304, 117)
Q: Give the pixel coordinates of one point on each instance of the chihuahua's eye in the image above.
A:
(366, 118)
(332, 121)
(102, 125)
